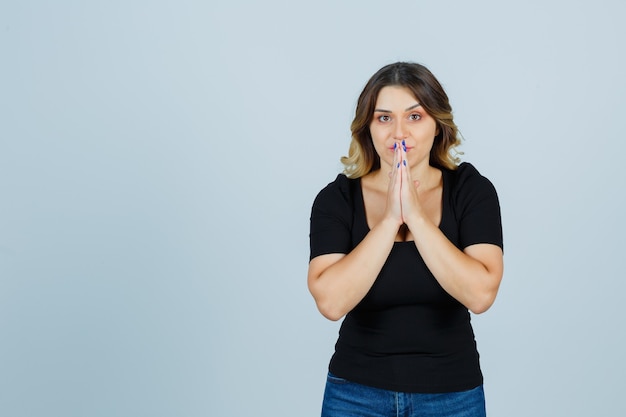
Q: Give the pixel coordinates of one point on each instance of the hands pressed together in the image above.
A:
(471, 275)
(403, 203)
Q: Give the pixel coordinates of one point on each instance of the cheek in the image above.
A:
(377, 138)
(374, 132)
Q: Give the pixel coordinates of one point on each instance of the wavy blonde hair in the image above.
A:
(362, 157)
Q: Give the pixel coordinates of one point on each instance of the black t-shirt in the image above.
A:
(408, 334)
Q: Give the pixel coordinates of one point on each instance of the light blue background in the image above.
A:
(158, 161)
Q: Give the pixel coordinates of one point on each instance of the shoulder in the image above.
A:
(469, 189)
(476, 207)
(334, 204)
(466, 178)
(339, 190)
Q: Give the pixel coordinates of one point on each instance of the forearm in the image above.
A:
(340, 286)
(473, 282)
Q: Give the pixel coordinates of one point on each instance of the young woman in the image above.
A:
(404, 244)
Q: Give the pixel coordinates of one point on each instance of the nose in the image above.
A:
(399, 131)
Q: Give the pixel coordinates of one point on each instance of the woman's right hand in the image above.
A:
(394, 203)
(338, 281)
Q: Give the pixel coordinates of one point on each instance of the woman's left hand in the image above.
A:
(472, 275)
(409, 195)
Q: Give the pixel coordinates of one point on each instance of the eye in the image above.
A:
(384, 118)
(415, 116)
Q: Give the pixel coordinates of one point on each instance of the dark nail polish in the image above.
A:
(404, 162)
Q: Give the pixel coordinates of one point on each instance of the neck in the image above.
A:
(428, 176)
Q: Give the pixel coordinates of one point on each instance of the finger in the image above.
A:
(396, 173)
(405, 164)
(404, 156)
(395, 154)
(392, 172)
(395, 179)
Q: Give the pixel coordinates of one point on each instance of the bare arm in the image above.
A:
(471, 276)
(339, 282)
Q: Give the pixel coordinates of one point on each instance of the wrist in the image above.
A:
(391, 224)
(416, 222)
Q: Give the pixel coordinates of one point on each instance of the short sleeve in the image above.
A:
(331, 219)
(478, 208)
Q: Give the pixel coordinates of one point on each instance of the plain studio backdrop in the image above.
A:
(159, 159)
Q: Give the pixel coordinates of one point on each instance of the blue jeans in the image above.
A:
(343, 398)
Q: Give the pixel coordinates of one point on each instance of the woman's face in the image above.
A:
(399, 116)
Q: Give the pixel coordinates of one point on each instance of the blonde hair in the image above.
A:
(362, 157)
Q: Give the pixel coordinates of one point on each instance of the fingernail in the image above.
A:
(395, 145)
(398, 166)
(404, 162)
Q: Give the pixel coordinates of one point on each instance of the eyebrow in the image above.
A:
(407, 109)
